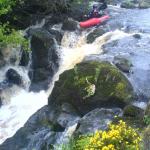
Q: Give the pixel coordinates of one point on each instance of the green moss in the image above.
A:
(112, 83)
(92, 83)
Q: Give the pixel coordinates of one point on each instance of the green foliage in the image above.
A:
(118, 137)
(9, 36)
(146, 119)
(6, 6)
(12, 38)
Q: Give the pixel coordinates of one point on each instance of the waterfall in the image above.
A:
(22, 103)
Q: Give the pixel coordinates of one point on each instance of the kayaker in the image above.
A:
(97, 10)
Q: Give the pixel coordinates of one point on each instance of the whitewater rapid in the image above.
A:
(23, 104)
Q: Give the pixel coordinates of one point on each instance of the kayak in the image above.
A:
(93, 21)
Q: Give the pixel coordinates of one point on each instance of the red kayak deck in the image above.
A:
(93, 21)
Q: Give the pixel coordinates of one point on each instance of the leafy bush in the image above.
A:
(6, 6)
(117, 137)
(9, 36)
(146, 119)
(12, 38)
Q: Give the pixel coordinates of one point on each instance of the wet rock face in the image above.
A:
(24, 58)
(2, 61)
(44, 59)
(97, 119)
(90, 85)
(13, 77)
(69, 25)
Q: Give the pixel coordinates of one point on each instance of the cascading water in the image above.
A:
(23, 104)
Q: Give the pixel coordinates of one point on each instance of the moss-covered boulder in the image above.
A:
(90, 85)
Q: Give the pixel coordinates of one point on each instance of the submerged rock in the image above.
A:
(123, 64)
(44, 59)
(97, 119)
(90, 85)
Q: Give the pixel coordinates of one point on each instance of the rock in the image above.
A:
(24, 58)
(97, 119)
(147, 111)
(146, 138)
(68, 116)
(57, 35)
(144, 4)
(42, 130)
(94, 34)
(90, 85)
(69, 25)
(133, 111)
(13, 77)
(0, 102)
(137, 36)
(2, 61)
(45, 59)
(130, 4)
(122, 63)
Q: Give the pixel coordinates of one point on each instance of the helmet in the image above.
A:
(94, 6)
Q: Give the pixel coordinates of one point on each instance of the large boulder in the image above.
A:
(92, 84)
(44, 59)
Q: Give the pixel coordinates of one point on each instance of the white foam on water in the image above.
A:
(17, 112)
